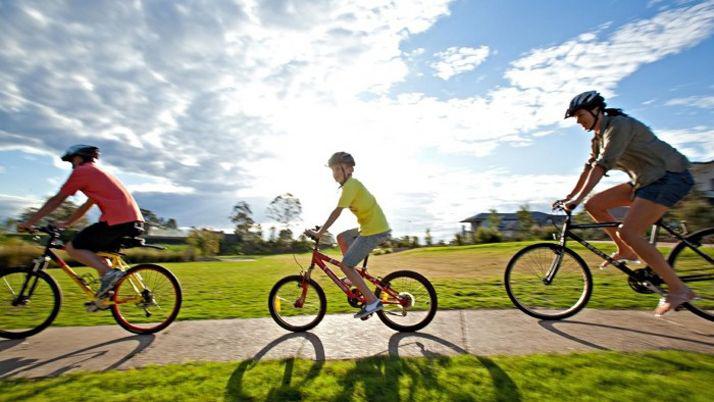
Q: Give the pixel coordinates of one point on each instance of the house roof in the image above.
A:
(539, 217)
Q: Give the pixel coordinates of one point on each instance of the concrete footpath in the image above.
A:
(481, 332)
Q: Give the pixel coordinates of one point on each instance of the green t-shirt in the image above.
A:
(362, 203)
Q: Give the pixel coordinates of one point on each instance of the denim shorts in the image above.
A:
(360, 246)
(669, 189)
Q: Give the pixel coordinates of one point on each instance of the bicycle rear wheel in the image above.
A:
(696, 269)
(297, 305)
(415, 305)
(527, 288)
(26, 314)
(146, 299)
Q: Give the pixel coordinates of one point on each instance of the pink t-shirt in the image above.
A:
(115, 202)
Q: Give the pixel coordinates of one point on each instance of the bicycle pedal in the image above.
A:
(91, 307)
(365, 318)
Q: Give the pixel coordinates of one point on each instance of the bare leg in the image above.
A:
(89, 258)
(359, 283)
(643, 214)
(597, 207)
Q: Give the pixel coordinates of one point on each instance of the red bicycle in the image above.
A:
(298, 303)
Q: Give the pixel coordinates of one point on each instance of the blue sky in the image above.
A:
(450, 107)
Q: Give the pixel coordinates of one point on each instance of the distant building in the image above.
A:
(703, 173)
(509, 221)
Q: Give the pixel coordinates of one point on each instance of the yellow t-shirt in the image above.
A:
(362, 203)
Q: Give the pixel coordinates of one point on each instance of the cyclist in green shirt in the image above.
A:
(659, 179)
(373, 231)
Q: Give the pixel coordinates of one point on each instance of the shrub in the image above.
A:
(488, 235)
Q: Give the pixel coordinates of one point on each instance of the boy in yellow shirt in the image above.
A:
(374, 229)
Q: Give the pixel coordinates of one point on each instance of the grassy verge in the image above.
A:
(465, 277)
(662, 375)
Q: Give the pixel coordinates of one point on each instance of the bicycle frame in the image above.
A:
(49, 254)
(566, 233)
(321, 259)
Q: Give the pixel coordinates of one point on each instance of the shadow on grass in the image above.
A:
(13, 367)
(550, 326)
(504, 387)
(287, 390)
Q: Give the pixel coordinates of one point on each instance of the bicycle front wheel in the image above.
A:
(415, 304)
(26, 312)
(529, 290)
(146, 299)
(696, 269)
(296, 304)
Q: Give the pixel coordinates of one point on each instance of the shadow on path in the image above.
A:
(287, 389)
(550, 326)
(13, 367)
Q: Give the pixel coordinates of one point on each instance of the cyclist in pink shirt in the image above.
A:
(120, 214)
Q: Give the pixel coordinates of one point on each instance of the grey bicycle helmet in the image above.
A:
(86, 151)
(341, 158)
(586, 100)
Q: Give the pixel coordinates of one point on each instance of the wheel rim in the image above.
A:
(145, 299)
(413, 304)
(698, 274)
(287, 309)
(564, 294)
(29, 314)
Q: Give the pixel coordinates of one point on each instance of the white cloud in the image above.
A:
(458, 60)
(703, 102)
(11, 205)
(696, 143)
(216, 100)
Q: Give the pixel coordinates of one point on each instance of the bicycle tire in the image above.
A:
(705, 292)
(569, 311)
(433, 303)
(56, 301)
(121, 315)
(275, 308)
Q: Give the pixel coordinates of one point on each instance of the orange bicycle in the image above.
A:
(145, 300)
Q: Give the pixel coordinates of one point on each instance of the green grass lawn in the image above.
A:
(616, 376)
(466, 277)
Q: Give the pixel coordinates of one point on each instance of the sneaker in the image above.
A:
(673, 301)
(370, 308)
(108, 281)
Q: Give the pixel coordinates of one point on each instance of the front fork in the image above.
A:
(304, 285)
(39, 264)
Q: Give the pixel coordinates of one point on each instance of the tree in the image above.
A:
(493, 219)
(525, 221)
(285, 209)
(242, 217)
(428, 240)
(206, 242)
(61, 214)
(153, 221)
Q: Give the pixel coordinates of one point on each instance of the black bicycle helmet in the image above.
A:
(89, 152)
(586, 100)
(341, 158)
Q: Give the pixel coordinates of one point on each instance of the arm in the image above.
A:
(79, 213)
(583, 176)
(593, 179)
(333, 217)
(46, 209)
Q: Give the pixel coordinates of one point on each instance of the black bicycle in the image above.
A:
(550, 281)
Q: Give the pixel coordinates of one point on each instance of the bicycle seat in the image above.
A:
(131, 242)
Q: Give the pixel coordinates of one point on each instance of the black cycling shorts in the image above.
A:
(103, 237)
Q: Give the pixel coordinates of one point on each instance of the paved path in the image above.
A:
(482, 332)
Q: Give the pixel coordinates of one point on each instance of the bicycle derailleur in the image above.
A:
(641, 278)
